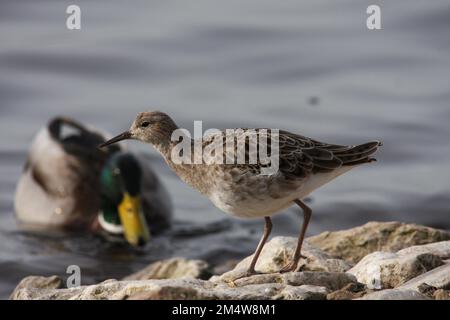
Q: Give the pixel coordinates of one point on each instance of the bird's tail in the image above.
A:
(358, 154)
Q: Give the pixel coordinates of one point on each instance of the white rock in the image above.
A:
(383, 270)
(368, 270)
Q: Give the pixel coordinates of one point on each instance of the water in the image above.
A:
(309, 67)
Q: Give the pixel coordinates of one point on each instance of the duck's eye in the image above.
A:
(145, 124)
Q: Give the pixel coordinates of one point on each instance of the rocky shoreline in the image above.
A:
(379, 260)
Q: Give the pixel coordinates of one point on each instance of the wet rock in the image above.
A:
(395, 294)
(438, 278)
(353, 244)
(349, 292)
(173, 269)
(382, 270)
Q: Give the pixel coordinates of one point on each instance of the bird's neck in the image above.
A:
(186, 168)
(173, 146)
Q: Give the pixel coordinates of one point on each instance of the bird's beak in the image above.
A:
(134, 224)
(123, 136)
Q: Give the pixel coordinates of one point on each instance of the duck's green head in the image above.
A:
(121, 212)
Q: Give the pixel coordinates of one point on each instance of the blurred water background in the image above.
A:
(305, 66)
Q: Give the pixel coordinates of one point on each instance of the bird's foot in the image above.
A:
(291, 266)
(245, 274)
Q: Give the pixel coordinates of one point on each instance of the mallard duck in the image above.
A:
(68, 183)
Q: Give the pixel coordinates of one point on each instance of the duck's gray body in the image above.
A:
(60, 185)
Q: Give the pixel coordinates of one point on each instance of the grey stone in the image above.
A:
(191, 289)
(279, 251)
(440, 249)
(353, 244)
(319, 276)
(35, 284)
(383, 270)
(349, 292)
(441, 294)
(172, 269)
(304, 292)
(394, 294)
(330, 280)
(438, 278)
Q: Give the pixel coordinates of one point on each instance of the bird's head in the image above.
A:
(153, 127)
(121, 207)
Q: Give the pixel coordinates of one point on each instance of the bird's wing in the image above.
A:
(299, 156)
(302, 153)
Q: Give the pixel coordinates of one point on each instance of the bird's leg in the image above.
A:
(292, 266)
(251, 269)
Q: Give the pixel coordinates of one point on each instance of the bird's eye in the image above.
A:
(145, 124)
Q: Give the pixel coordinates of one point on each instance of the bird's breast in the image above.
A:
(248, 195)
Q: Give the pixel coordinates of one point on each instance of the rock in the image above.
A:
(415, 272)
(330, 280)
(394, 294)
(36, 284)
(192, 289)
(328, 272)
(305, 292)
(441, 249)
(441, 294)
(353, 244)
(349, 292)
(438, 278)
(279, 251)
(172, 269)
(305, 285)
(426, 289)
(433, 292)
(197, 289)
(382, 270)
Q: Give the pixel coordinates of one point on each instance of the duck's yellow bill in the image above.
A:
(134, 225)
